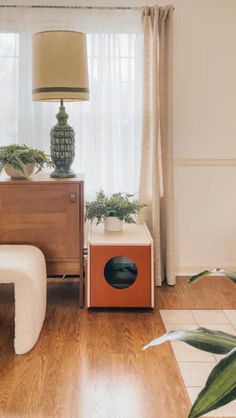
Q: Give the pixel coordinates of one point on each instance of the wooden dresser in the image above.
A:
(47, 213)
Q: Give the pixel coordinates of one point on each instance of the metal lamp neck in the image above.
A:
(62, 116)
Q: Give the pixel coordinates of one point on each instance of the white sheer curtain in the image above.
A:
(108, 127)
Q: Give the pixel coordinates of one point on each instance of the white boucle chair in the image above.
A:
(24, 265)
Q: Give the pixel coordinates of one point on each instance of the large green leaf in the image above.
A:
(198, 276)
(204, 273)
(220, 387)
(217, 342)
(229, 274)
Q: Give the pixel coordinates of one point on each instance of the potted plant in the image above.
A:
(220, 387)
(114, 210)
(19, 161)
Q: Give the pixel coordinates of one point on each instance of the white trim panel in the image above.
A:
(205, 162)
(188, 270)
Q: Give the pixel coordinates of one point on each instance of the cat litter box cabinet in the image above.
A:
(120, 267)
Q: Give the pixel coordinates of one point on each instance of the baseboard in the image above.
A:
(188, 270)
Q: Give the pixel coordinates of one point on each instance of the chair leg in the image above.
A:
(29, 316)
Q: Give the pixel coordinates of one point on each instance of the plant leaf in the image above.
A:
(120, 205)
(1, 166)
(20, 155)
(220, 387)
(198, 276)
(231, 275)
(217, 342)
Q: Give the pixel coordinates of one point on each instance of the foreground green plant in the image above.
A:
(19, 156)
(220, 387)
(120, 205)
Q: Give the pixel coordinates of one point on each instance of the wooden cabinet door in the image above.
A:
(46, 215)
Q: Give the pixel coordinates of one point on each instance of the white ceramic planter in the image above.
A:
(14, 173)
(113, 224)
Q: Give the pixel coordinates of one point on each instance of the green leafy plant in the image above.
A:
(220, 387)
(120, 205)
(19, 156)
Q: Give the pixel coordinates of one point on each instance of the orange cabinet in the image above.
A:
(120, 267)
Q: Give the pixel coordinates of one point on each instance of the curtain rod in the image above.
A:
(38, 6)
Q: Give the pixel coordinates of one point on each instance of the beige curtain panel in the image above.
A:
(156, 177)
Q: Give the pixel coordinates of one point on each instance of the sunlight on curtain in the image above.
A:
(9, 58)
(108, 127)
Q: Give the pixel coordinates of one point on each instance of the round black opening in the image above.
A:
(120, 272)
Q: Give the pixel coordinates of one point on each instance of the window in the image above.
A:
(108, 126)
(9, 60)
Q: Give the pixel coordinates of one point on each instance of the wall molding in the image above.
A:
(205, 162)
(189, 270)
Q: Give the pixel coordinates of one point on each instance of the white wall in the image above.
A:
(204, 127)
(205, 133)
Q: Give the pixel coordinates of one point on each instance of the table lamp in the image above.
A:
(60, 73)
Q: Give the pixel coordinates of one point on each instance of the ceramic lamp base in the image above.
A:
(62, 145)
(62, 174)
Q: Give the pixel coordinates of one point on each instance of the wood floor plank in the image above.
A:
(87, 363)
(208, 293)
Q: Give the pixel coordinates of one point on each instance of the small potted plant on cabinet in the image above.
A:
(113, 210)
(19, 161)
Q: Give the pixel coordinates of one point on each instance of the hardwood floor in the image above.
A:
(209, 293)
(87, 364)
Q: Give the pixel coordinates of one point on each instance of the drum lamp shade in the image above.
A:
(59, 66)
